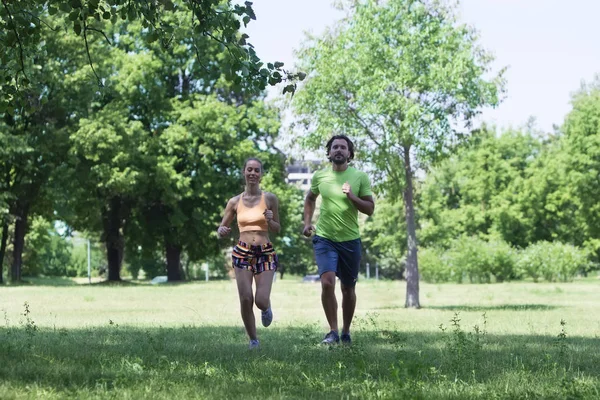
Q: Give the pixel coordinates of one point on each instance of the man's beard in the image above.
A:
(338, 161)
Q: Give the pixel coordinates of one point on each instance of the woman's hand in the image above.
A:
(223, 231)
(268, 215)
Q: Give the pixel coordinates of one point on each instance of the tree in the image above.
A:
(36, 133)
(582, 146)
(162, 147)
(384, 236)
(22, 26)
(398, 76)
(481, 190)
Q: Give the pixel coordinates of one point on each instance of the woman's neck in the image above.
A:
(252, 190)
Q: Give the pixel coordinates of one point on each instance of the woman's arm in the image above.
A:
(272, 213)
(224, 229)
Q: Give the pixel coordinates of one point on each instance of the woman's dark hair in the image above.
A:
(347, 139)
(253, 159)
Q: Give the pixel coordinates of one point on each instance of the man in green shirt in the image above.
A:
(345, 191)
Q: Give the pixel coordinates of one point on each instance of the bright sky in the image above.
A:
(550, 47)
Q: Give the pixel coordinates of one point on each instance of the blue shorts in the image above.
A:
(343, 258)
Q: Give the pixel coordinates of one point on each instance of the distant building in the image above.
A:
(300, 173)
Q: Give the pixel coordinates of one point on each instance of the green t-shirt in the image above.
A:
(338, 219)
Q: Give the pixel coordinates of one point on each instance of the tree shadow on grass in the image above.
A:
(47, 281)
(497, 307)
(215, 362)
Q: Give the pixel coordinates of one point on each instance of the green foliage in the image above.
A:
(384, 238)
(78, 264)
(469, 258)
(152, 263)
(23, 25)
(552, 261)
(482, 190)
(295, 252)
(480, 261)
(400, 77)
(394, 83)
(432, 265)
(46, 252)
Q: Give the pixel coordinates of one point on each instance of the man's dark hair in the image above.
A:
(347, 139)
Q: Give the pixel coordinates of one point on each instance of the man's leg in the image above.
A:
(350, 254)
(348, 306)
(244, 277)
(327, 260)
(328, 299)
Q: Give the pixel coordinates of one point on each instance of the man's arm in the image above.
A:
(364, 204)
(309, 210)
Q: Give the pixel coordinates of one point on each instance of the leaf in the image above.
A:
(77, 27)
(152, 37)
(301, 76)
(291, 88)
(278, 64)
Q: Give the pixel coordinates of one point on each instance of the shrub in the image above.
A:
(552, 261)
(469, 258)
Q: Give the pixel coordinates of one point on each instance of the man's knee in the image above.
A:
(348, 290)
(328, 281)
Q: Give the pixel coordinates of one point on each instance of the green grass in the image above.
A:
(187, 341)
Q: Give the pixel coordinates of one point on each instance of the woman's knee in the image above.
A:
(246, 299)
(262, 302)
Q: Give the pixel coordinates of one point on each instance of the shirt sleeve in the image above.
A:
(365, 186)
(314, 183)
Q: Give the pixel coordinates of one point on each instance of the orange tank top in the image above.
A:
(252, 219)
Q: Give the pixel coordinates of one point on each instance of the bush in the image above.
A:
(432, 267)
(78, 263)
(46, 251)
(552, 261)
(469, 258)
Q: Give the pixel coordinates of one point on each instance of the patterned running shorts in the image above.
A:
(257, 259)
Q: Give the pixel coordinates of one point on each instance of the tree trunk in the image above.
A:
(21, 214)
(3, 248)
(111, 218)
(412, 266)
(173, 262)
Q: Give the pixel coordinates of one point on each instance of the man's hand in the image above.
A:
(223, 231)
(268, 215)
(308, 230)
(347, 189)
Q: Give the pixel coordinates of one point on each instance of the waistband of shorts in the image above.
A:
(268, 245)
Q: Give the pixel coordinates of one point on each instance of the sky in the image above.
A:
(549, 46)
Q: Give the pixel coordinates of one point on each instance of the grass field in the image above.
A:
(187, 341)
